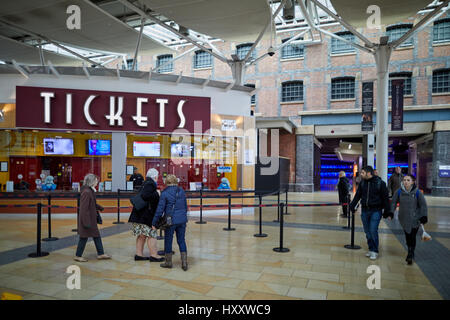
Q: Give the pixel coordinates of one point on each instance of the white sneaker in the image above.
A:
(373, 255)
(368, 254)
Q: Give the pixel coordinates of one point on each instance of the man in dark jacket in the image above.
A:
(137, 178)
(374, 197)
(343, 191)
(395, 181)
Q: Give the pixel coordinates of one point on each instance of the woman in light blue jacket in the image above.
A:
(173, 203)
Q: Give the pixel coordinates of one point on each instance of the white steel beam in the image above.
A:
(20, 69)
(52, 68)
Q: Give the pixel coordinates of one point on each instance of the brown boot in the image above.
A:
(184, 264)
(168, 262)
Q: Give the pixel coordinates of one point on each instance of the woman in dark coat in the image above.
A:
(87, 219)
(173, 202)
(343, 190)
(141, 220)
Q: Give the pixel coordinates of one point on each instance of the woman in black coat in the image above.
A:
(343, 190)
(141, 220)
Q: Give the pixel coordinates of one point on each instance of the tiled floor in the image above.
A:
(229, 264)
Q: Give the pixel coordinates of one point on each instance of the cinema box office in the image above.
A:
(68, 125)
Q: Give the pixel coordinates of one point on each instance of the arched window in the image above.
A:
(292, 91)
(343, 88)
(243, 49)
(397, 31)
(161, 60)
(202, 59)
(441, 30)
(406, 84)
(292, 50)
(339, 46)
(441, 81)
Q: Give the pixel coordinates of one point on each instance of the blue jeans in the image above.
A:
(371, 219)
(180, 229)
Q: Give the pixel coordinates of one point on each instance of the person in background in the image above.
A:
(87, 219)
(357, 179)
(173, 202)
(411, 213)
(224, 185)
(395, 181)
(137, 178)
(375, 172)
(343, 191)
(141, 220)
(373, 193)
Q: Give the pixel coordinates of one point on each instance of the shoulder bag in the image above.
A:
(165, 221)
(137, 200)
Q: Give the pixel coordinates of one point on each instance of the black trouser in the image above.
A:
(411, 238)
(82, 245)
(344, 209)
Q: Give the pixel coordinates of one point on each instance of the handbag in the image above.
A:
(99, 218)
(165, 221)
(138, 202)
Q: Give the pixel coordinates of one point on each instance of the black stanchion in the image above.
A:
(49, 208)
(229, 215)
(280, 248)
(260, 234)
(278, 210)
(352, 244)
(201, 209)
(118, 209)
(78, 211)
(38, 252)
(287, 213)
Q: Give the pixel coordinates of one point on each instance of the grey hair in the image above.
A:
(152, 173)
(89, 179)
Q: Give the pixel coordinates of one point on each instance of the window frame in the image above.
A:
(337, 43)
(335, 80)
(434, 89)
(290, 47)
(158, 63)
(295, 99)
(401, 74)
(437, 23)
(244, 45)
(393, 28)
(199, 52)
(253, 98)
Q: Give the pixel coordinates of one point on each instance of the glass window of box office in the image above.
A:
(44, 160)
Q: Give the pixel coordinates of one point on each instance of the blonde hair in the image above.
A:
(341, 174)
(171, 180)
(89, 179)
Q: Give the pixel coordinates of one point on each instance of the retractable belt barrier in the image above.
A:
(280, 214)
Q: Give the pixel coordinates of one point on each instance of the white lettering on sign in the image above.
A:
(162, 103)
(180, 113)
(113, 114)
(47, 96)
(87, 104)
(69, 108)
(141, 121)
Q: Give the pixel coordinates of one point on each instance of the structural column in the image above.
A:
(119, 160)
(304, 164)
(441, 163)
(382, 56)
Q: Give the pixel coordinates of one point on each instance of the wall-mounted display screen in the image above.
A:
(98, 147)
(181, 150)
(146, 149)
(58, 146)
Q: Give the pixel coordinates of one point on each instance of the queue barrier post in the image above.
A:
(260, 234)
(287, 190)
(38, 252)
(352, 243)
(201, 209)
(78, 211)
(118, 209)
(278, 209)
(281, 249)
(229, 228)
(49, 208)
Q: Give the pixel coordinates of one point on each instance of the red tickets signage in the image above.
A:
(71, 109)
